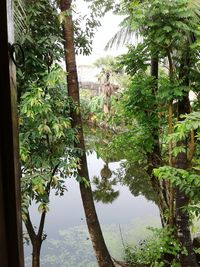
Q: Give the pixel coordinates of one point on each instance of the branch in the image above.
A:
(43, 216)
(30, 228)
(41, 227)
(52, 175)
(48, 143)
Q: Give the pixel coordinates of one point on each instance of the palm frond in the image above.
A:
(124, 36)
(195, 5)
(20, 18)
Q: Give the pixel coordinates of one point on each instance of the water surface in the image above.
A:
(123, 221)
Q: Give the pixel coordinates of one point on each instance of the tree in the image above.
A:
(46, 136)
(165, 28)
(47, 155)
(47, 152)
(112, 80)
(102, 254)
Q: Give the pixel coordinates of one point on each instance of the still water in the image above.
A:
(123, 221)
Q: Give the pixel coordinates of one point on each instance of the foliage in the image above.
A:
(163, 23)
(42, 43)
(85, 27)
(112, 80)
(154, 250)
(187, 181)
(42, 38)
(167, 28)
(46, 136)
(100, 8)
(132, 143)
(139, 103)
(182, 128)
(104, 190)
(110, 65)
(91, 107)
(136, 59)
(46, 139)
(99, 140)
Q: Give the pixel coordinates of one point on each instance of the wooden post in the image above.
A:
(11, 245)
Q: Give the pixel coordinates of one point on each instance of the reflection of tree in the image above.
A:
(136, 179)
(99, 140)
(106, 173)
(132, 175)
(104, 191)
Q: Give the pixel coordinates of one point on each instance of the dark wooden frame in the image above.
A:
(11, 246)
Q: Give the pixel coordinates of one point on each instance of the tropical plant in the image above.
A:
(46, 150)
(20, 19)
(167, 30)
(155, 251)
(47, 155)
(103, 257)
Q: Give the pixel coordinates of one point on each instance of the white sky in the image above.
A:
(104, 33)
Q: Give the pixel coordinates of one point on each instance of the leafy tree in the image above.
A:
(167, 30)
(47, 139)
(45, 126)
(46, 150)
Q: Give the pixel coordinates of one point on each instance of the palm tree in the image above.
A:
(102, 254)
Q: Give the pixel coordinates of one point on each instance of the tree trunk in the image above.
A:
(102, 254)
(36, 253)
(36, 239)
(187, 259)
(182, 216)
(154, 158)
(170, 148)
(170, 188)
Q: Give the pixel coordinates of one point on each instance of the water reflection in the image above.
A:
(131, 175)
(104, 187)
(136, 179)
(114, 181)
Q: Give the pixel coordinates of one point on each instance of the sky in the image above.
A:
(110, 25)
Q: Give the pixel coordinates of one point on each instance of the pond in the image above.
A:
(123, 216)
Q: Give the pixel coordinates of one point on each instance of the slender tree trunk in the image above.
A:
(154, 158)
(170, 188)
(187, 259)
(170, 131)
(36, 254)
(102, 254)
(182, 220)
(182, 217)
(36, 239)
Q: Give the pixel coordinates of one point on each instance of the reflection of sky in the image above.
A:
(67, 212)
(126, 207)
